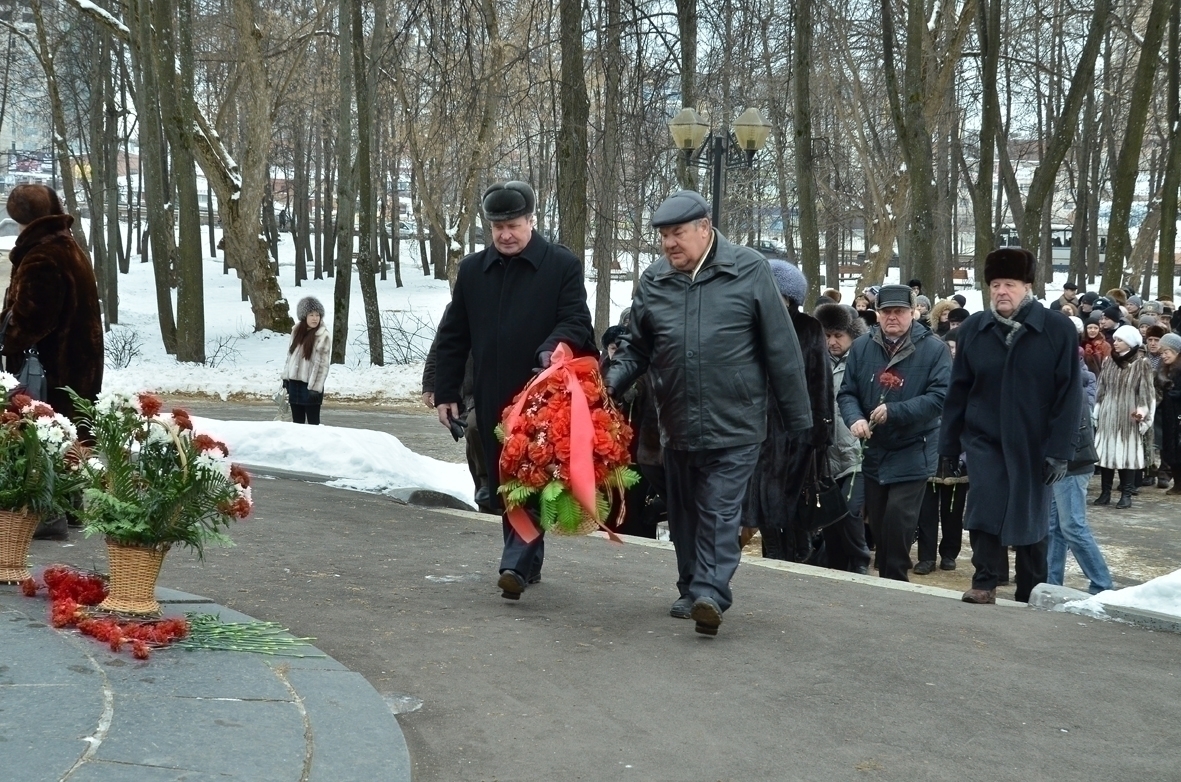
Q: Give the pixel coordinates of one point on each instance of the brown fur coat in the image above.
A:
(53, 298)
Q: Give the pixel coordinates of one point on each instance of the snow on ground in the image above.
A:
(1162, 595)
(358, 459)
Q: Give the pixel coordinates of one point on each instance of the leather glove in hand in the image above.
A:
(543, 358)
(1053, 471)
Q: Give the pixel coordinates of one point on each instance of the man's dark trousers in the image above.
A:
(991, 559)
(523, 558)
(943, 506)
(705, 494)
(893, 511)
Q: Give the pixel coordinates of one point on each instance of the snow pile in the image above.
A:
(1162, 595)
(358, 459)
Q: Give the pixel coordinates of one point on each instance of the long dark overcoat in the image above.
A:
(772, 498)
(53, 299)
(1008, 409)
(505, 312)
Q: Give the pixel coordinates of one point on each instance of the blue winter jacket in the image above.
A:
(906, 446)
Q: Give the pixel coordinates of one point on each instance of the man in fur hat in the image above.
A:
(844, 542)
(1013, 408)
(513, 302)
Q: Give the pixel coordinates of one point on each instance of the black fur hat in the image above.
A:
(869, 317)
(1009, 263)
(612, 335)
(840, 317)
(958, 315)
(508, 201)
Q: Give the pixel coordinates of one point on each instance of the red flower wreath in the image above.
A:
(566, 443)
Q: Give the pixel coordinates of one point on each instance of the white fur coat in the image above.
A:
(313, 371)
(1124, 388)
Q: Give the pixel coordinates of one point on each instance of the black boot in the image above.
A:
(1147, 478)
(1125, 500)
(1106, 478)
(1128, 480)
(52, 529)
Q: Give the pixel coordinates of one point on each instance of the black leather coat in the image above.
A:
(714, 346)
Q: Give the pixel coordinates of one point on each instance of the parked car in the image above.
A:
(770, 248)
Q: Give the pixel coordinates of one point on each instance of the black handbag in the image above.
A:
(32, 374)
(822, 503)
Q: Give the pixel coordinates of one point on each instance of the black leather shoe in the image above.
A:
(1104, 498)
(707, 615)
(534, 578)
(947, 563)
(483, 496)
(924, 568)
(511, 585)
(862, 569)
(682, 608)
(1125, 500)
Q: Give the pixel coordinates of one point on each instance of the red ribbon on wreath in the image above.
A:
(582, 436)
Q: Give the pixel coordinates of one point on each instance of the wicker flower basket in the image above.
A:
(16, 533)
(134, 570)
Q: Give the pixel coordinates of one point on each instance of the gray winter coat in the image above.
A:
(713, 346)
(905, 447)
(844, 455)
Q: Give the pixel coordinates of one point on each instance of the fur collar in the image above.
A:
(1125, 359)
(38, 231)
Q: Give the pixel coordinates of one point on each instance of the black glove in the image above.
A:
(458, 427)
(1053, 471)
(284, 384)
(544, 358)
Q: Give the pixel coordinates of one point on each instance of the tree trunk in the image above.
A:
(1123, 180)
(366, 262)
(154, 168)
(572, 138)
(1046, 175)
(345, 194)
(687, 27)
(605, 244)
(809, 257)
(174, 45)
(65, 163)
(1168, 232)
(908, 111)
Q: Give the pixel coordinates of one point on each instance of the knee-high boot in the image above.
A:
(1106, 478)
(1127, 484)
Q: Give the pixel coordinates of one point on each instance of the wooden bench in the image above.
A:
(959, 278)
(850, 271)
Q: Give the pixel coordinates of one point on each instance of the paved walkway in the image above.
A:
(70, 709)
(587, 677)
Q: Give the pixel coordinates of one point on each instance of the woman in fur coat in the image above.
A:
(1124, 408)
(1095, 346)
(308, 356)
(52, 300)
(786, 458)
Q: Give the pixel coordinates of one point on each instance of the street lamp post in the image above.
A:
(723, 150)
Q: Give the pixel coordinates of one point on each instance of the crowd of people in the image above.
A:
(753, 411)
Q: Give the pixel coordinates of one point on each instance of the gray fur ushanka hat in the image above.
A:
(308, 305)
